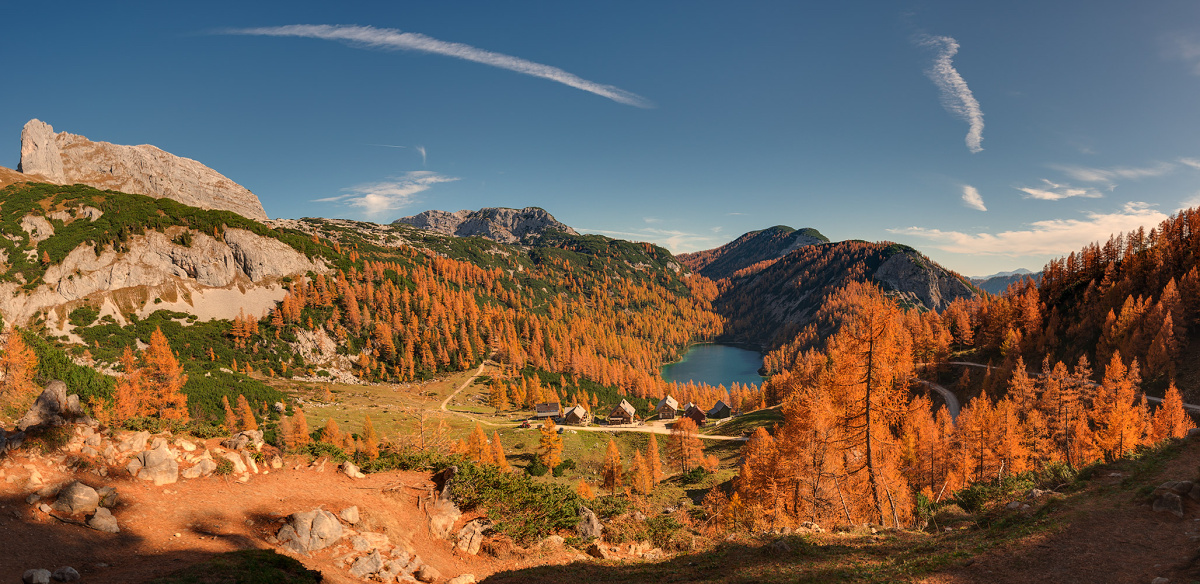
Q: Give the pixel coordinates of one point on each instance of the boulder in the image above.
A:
(103, 520)
(391, 569)
(248, 460)
(600, 551)
(50, 409)
(427, 573)
(202, 468)
(350, 515)
(135, 442)
(66, 574)
(443, 514)
(463, 579)
(77, 498)
(108, 496)
(157, 465)
(352, 471)
(1169, 502)
(276, 462)
(36, 576)
(244, 439)
(239, 466)
(309, 531)
(470, 537)
(589, 525)
(367, 565)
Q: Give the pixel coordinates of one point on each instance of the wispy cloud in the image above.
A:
(390, 38)
(387, 145)
(421, 149)
(388, 195)
(651, 219)
(972, 198)
(674, 240)
(1054, 191)
(1109, 176)
(956, 96)
(1192, 162)
(1183, 48)
(1043, 238)
(1193, 201)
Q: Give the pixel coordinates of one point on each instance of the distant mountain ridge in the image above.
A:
(750, 249)
(66, 159)
(499, 224)
(998, 283)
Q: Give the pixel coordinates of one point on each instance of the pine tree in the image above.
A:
(301, 436)
(164, 378)
(129, 395)
(685, 446)
(247, 414)
(550, 445)
(18, 365)
(1170, 420)
(498, 457)
(370, 439)
(642, 484)
(331, 434)
(612, 472)
(654, 461)
(585, 490)
(477, 445)
(230, 417)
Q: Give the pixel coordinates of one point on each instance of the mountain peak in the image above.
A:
(500, 224)
(65, 158)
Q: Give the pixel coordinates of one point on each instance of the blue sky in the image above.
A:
(991, 137)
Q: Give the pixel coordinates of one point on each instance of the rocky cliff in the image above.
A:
(498, 224)
(750, 249)
(65, 158)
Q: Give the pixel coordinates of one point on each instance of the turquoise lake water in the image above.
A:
(716, 365)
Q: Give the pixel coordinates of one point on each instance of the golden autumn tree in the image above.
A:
(1117, 413)
(230, 417)
(1170, 420)
(164, 379)
(640, 475)
(654, 461)
(685, 445)
(300, 433)
(612, 472)
(477, 445)
(18, 365)
(585, 490)
(246, 413)
(370, 439)
(129, 393)
(331, 434)
(550, 445)
(498, 456)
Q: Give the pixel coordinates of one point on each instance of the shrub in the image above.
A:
(661, 529)
(83, 316)
(224, 466)
(319, 449)
(537, 469)
(695, 476)
(562, 468)
(522, 508)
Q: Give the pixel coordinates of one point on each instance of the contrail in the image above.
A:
(390, 38)
(956, 96)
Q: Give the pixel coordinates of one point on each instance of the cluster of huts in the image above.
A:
(668, 409)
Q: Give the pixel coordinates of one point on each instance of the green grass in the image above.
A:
(745, 423)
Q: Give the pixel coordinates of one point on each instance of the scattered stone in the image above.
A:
(599, 550)
(239, 441)
(1013, 505)
(780, 546)
(391, 569)
(279, 407)
(276, 462)
(1169, 502)
(367, 565)
(812, 527)
(66, 574)
(350, 515)
(351, 470)
(186, 445)
(239, 467)
(44, 508)
(463, 579)
(443, 514)
(103, 520)
(470, 537)
(554, 541)
(77, 498)
(1160, 579)
(36, 576)
(310, 530)
(589, 525)
(427, 573)
(201, 469)
(251, 465)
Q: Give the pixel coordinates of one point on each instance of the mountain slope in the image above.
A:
(999, 283)
(499, 224)
(64, 158)
(750, 249)
(769, 303)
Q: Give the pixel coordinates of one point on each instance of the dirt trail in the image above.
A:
(166, 528)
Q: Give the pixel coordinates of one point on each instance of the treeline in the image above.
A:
(858, 446)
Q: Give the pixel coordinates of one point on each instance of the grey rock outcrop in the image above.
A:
(158, 465)
(443, 514)
(65, 574)
(77, 498)
(243, 439)
(52, 407)
(470, 537)
(310, 531)
(367, 565)
(36, 576)
(65, 158)
(350, 515)
(589, 525)
(498, 224)
(919, 279)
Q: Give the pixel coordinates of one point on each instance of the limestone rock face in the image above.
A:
(498, 224)
(145, 170)
(921, 281)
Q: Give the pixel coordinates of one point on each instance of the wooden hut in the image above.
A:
(548, 410)
(696, 414)
(622, 414)
(720, 411)
(667, 408)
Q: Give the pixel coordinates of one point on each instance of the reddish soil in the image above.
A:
(1107, 534)
(166, 528)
